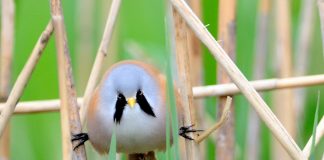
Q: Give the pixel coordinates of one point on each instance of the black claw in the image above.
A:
(187, 129)
(185, 136)
(81, 137)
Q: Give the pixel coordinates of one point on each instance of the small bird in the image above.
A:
(131, 98)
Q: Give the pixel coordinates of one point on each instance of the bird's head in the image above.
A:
(131, 87)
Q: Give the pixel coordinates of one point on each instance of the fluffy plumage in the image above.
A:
(139, 129)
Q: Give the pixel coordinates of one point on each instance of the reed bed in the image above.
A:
(184, 32)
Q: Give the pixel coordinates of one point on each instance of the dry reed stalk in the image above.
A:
(65, 131)
(284, 109)
(198, 92)
(5, 144)
(196, 74)
(259, 85)
(195, 58)
(253, 136)
(319, 136)
(304, 40)
(38, 106)
(195, 47)
(6, 52)
(184, 84)
(23, 78)
(225, 143)
(84, 48)
(195, 52)
(69, 108)
(7, 40)
(220, 123)
(239, 79)
(101, 54)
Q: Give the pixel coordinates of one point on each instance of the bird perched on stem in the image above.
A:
(131, 98)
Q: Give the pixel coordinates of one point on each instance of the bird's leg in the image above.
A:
(187, 129)
(81, 137)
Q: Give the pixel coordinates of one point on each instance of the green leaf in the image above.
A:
(112, 148)
(312, 156)
(174, 115)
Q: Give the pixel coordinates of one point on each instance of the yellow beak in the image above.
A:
(131, 102)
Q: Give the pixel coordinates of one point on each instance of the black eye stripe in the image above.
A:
(144, 105)
(120, 106)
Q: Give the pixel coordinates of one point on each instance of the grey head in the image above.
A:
(128, 83)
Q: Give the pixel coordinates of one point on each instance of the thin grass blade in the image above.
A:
(312, 156)
(112, 148)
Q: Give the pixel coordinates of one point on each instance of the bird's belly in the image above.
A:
(140, 135)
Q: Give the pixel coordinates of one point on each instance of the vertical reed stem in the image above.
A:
(7, 40)
(6, 52)
(69, 107)
(227, 35)
(283, 100)
(195, 57)
(185, 88)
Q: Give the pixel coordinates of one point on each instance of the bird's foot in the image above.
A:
(187, 129)
(81, 137)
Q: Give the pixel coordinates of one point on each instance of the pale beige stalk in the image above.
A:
(259, 85)
(39, 106)
(220, 123)
(198, 92)
(70, 118)
(6, 52)
(184, 82)
(196, 76)
(285, 110)
(7, 42)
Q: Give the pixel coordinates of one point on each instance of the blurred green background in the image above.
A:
(142, 23)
